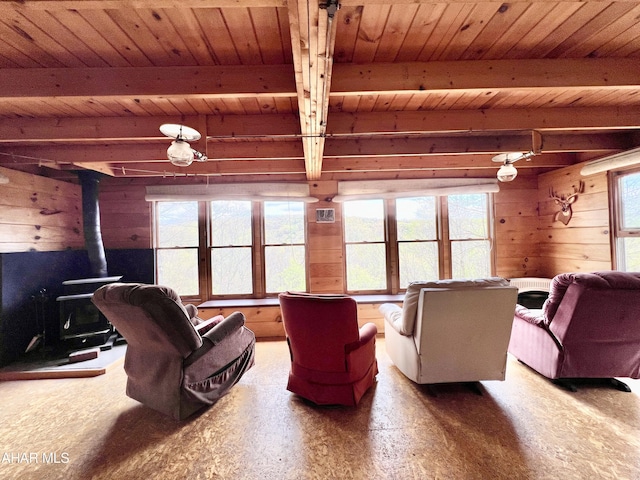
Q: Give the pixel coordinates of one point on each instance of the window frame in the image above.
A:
(616, 208)
(385, 242)
(443, 241)
(205, 247)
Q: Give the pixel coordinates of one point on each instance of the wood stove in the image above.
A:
(81, 323)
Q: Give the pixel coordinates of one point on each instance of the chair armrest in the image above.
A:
(216, 335)
(392, 315)
(367, 332)
(535, 317)
(359, 355)
(223, 329)
(207, 325)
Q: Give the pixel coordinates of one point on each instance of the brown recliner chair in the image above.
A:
(175, 362)
(333, 362)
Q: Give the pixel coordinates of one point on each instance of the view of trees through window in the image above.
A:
(365, 247)
(231, 245)
(418, 249)
(177, 246)
(629, 228)
(421, 248)
(284, 251)
(469, 235)
(258, 248)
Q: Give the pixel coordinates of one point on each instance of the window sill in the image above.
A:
(273, 301)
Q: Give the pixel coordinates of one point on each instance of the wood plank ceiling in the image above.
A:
(293, 87)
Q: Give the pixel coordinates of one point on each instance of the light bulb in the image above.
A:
(180, 153)
(507, 172)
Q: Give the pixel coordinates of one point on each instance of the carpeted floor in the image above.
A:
(522, 428)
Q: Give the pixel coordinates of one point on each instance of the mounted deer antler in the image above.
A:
(565, 201)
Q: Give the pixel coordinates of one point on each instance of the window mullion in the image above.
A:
(258, 249)
(491, 232)
(393, 265)
(443, 238)
(204, 253)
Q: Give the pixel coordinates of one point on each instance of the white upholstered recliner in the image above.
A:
(451, 330)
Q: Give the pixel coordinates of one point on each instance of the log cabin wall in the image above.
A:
(39, 213)
(126, 223)
(125, 216)
(45, 214)
(584, 244)
(516, 228)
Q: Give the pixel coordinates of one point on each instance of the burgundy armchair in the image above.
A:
(176, 363)
(588, 328)
(333, 361)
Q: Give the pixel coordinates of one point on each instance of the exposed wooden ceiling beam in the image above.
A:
(438, 162)
(135, 129)
(374, 147)
(147, 152)
(229, 81)
(544, 119)
(313, 36)
(212, 168)
(469, 144)
(54, 5)
(474, 75)
(330, 165)
(317, 79)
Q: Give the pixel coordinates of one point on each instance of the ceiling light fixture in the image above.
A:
(508, 172)
(180, 152)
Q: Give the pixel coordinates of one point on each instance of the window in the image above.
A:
(469, 236)
(418, 248)
(627, 230)
(427, 238)
(365, 245)
(231, 248)
(284, 246)
(177, 241)
(234, 248)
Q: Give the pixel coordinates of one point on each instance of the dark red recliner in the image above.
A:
(588, 328)
(333, 361)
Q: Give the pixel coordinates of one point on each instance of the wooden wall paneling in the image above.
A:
(125, 215)
(325, 242)
(516, 228)
(39, 213)
(265, 321)
(370, 312)
(584, 244)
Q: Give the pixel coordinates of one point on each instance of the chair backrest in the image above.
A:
(149, 317)
(463, 330)
(318, 328)
(414, 291)
(600, 308)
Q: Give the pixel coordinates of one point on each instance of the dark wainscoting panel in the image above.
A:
(31, 281)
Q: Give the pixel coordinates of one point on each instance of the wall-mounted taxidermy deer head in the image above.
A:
(565, 201)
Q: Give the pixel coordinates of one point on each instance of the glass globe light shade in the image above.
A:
(507, 172)
(180, 153)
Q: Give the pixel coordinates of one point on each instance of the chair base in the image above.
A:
(348, 394)
(571, 384)
(475, 387)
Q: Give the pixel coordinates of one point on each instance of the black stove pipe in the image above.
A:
(89, 180)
